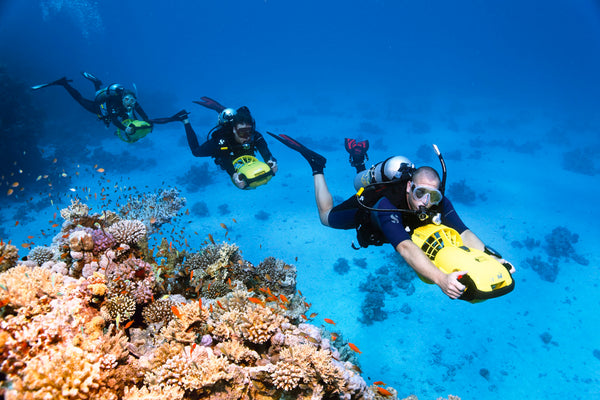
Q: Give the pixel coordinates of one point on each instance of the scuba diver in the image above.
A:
(234, 138)
(114, 104)
(396, 199)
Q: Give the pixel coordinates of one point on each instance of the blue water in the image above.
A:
(509, 90)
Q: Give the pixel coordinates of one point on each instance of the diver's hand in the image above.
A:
(238, 181)
(130, 129)
(451, 286)
(511, 269)
(273, 165)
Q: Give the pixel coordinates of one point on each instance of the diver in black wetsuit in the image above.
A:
(234, 136)
(113, 104)
(396, 196)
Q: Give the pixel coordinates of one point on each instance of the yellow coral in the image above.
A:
(193, 368)
(23, 285)
(237, 352)
(64, 372)
(260, 323)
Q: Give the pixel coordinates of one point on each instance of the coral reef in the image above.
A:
(341, 266)
(8, 256)
(559, 246)
(154, 209)
(40, 254)
(127, 327)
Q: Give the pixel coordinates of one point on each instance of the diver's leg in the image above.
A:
(323, 198)
(180, 116)
(89, 105)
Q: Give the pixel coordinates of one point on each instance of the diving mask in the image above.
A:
(245, 133)
(425, 193)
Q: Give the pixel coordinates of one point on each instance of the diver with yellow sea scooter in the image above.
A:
(232, 144)
(405, 206)
(113, 104)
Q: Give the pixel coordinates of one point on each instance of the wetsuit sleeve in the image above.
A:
(141, 112)
(390, 223)
(207, 149)
(450, 217)
(262, 147)
(117, 122)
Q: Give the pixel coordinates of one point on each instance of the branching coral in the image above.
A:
(128, 231)
(74, 211)
(154, 209)
(119, 307)
(67, 338)
(40, 254)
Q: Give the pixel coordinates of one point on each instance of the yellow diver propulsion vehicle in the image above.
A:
(487, 278)
(254, 172)
(142, 129)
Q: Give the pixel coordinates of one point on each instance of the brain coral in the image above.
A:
(128, 231)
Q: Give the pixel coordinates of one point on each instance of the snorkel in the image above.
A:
(441, 158)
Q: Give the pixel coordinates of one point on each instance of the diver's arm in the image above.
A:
(117, 122)
(471, 240)
(207, 149)
(418, 261)
(263, 148)
(141, 112)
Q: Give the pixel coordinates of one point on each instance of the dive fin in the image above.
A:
(316, 161)
(210, 103)
(60, 81)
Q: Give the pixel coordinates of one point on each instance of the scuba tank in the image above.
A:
(391, 169)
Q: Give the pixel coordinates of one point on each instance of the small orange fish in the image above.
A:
(282, 306)
(220, 305)
(26, 245)
(299, 292)
(210, 237)
(256, 300)
(30, 237)
(384, 392)
(15, 184)
(379, 383)
(211, 308)
(16, 223)
(176, 311)
(192, 348)
(9, 192)
(313, 315)
(329, 321)
(4, 302)
(304, 316)
(187, 212)
(192, 275)
(55, 160)
(333, 337)
(283, 298)
(268, 277)
(127, 325)
(54, 225)
(152, 220)
(233, 219)
(223, 226)
(353, 347)
(200, 303)
(100, 170)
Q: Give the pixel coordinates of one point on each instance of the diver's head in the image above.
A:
(243, 125)
(129, 99)
(423, 189)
